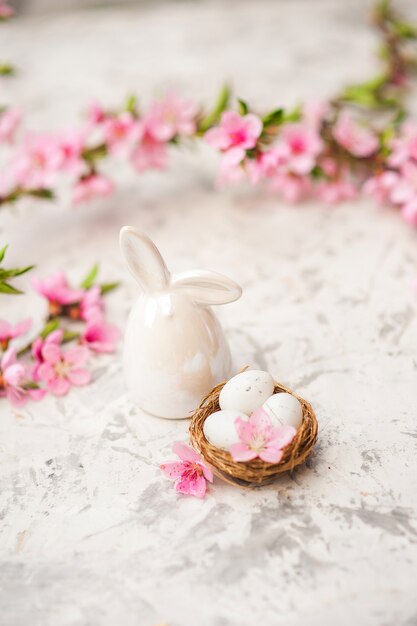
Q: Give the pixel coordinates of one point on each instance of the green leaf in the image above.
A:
(252, 153)
(131, 104)
(95, 153)
(49, 328)
(400, 117)
(3, 252)
(18, 271)
(43, 194)
(6, 288)
(213, 116)
(69, 335)
(31, 385)
(317, 173)
(6, 69)
(106, 287)
(274, 118)
(405, 30)
(293, 116)
(91, 276)
(243, 107)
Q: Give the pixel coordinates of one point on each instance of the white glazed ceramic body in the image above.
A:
(174, 347)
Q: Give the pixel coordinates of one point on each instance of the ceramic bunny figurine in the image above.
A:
(174, 348)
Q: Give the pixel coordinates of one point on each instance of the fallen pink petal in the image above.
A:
(190, 474)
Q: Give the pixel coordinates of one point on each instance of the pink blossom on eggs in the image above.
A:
(258, 438)
(60, 369)
(356, 139)
(191, 473)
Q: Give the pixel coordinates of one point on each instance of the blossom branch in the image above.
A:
(76, 316)
(332, 151)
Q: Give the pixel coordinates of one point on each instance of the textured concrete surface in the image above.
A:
(91, 533)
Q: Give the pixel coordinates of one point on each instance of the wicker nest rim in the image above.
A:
(256, 472)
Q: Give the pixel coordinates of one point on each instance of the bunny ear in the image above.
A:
(206, 287)
(143, 259)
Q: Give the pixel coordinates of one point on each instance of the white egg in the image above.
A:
(220, 429)
(246, 391)
(283, 408)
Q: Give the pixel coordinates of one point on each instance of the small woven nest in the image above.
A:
(256, 472)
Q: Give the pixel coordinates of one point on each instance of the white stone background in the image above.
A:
(91, 533)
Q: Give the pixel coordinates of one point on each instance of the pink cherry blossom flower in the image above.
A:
(100, 336)
(381, 186)
(10, 331)
(149, 153)
(92, 305)
(56, 290)
(9, 123)
(96, 114)
(291, 187)
(35, 163)
(266, 164)
(68, 153)
(170, 117)
(236, 132)
(8, 182)
(405, 189)
(334, 191)
(119, 131)
(91, 187)
(60, 370)
(5, 10)
(55, 338)
(409, 211)
(404, 147)
(299, 144)
(190, 473)
(314, 113)
(258, 438)
(15, 383)
(231, 167)
(356, 139)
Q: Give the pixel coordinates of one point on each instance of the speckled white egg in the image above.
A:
(283, 408)
(246, 391)
(220, 429)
